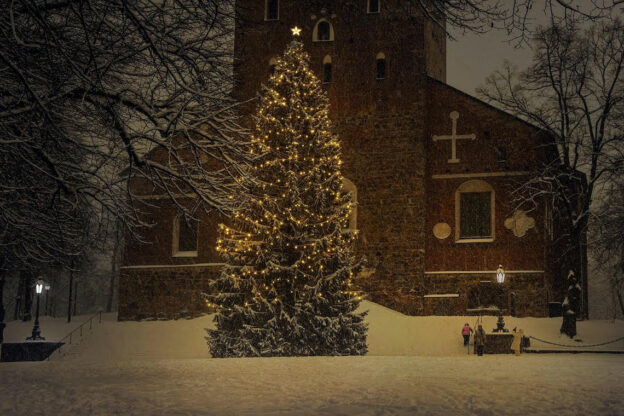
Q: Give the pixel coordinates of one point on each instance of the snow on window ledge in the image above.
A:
(185, 254)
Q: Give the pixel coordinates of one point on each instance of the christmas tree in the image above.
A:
(286, 288)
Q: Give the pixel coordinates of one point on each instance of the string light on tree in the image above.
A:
(286, 288)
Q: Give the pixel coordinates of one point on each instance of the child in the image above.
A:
(466, 330)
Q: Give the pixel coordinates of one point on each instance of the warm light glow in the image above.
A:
(39, 286)
(296, 31)
(500, 274)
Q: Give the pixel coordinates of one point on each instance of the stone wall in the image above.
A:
(164, 292)
(522, 294)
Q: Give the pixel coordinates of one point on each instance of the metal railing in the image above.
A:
(71, 335)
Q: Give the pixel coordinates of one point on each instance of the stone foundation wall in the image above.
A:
(523, 294)
(164, 293)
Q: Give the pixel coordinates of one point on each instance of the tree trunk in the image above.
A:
(580, 264)
(113, 276)
(18, 298)
(28, 297)
(621, 301)
(71, 286)
(76, 295)
(2, 324)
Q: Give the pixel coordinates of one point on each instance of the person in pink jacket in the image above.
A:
(466, 330)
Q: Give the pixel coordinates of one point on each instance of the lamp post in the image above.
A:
(36, 333)
(500, 279)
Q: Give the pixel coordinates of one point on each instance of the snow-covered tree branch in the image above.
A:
(91, 90)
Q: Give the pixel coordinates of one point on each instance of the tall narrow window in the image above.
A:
(373, 6)
(272, 10)
(381, 66)
(501, 154)
(323, 31)
(327, 69)
(184, 238)
(474, 212)
(475, 215)
(272, 65)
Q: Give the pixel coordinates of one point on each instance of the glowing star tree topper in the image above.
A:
(286, 289)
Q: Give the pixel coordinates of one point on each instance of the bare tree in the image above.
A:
(96, 92)
(574, 91)
(515, 16)
(113, 80)
(609, 244)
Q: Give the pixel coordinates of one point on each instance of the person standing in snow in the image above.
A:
(516, 344)
(480, 340)
(570, 306)
(466, 330)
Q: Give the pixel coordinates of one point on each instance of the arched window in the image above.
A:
(272, 65)
(184, 237)
(474, 212)
(327, 69)
(381, 65)
(373, 6)
(323, 31)
(349, 187)
(271, 11)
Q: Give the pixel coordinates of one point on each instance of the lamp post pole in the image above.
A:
(2, 324)
(500, 279)
(36, 332)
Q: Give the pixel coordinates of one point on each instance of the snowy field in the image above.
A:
(416, 366)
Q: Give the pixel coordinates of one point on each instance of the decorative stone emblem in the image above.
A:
(441, 230)
(454, 115)
(519, 223)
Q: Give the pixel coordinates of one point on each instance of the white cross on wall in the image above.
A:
(454, 137)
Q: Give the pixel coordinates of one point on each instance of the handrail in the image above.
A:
(88, 321)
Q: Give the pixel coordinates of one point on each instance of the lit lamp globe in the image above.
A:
(39, 286)
(500, 274)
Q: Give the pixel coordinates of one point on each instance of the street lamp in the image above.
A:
(500, 274)
(36, 333)
(500, 279)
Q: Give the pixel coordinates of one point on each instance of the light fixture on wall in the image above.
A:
(500, 274)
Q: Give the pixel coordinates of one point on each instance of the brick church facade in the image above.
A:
(432, 170)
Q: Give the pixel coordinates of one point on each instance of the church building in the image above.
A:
(432, 170)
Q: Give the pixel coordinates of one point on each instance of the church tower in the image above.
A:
(373, 57)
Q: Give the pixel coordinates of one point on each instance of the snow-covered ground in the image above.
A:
(416, 365)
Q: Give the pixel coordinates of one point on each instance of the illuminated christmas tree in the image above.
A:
(286, 289)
